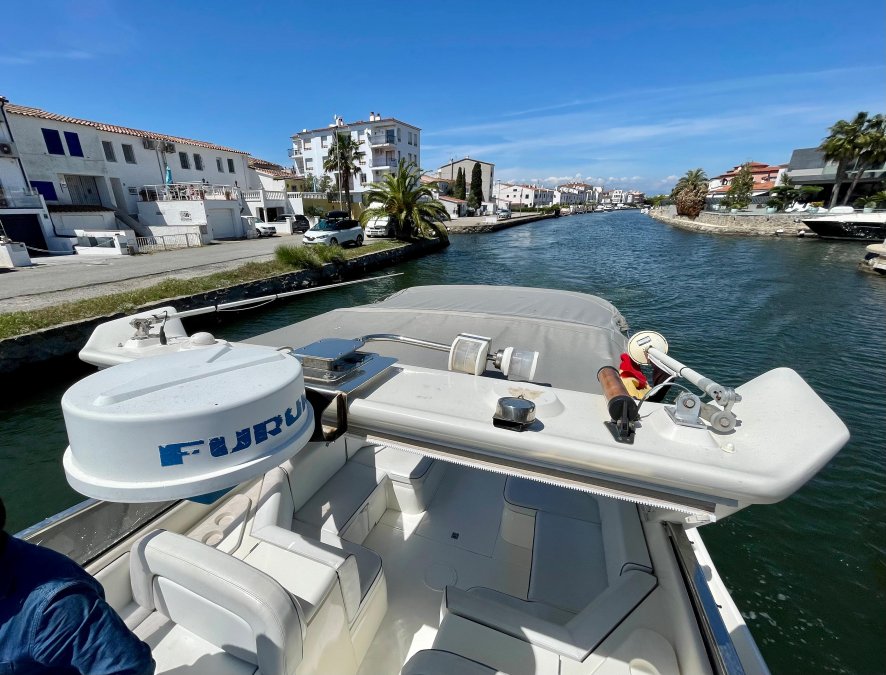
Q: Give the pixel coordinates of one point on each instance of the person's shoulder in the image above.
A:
(39, 566)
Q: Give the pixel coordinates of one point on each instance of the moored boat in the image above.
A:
(875, 259)
(852, 226)
(496, 502)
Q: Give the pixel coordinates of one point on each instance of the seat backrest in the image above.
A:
(311, 467)
(624, 542)
(219, 598)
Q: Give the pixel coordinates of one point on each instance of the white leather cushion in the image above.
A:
(535, 496)
(539, 610)
(436, 662)
(333, 505)
(215, 595)
(568, 565)
(399, 465)
(623, 538)
(176, 650)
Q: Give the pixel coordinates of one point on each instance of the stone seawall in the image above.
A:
(717, 223)
(19, 352)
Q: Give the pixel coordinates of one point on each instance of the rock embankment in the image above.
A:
(740, 225)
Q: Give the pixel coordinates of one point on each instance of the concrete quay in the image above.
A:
(22, 352)
(762, 225)
(475, 224)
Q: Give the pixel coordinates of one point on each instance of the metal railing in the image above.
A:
(168, 242)
(187, 192)
(383, 140)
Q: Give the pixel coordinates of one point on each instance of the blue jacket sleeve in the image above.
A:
(79, 629)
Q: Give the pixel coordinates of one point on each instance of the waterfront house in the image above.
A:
(99, 176)
(23, 213)
(267, 186)
(487, 173)
(807, 166)
(384, 141)
(456, 208)
(766, 177)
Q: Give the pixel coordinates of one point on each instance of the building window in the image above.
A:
(308, 144)
(389, 136)
(324, 142)
(230, 165)
(73, 141)
(109, 151)
(184, 159)
(53, 142)
(399, 137)
(218, 165)
(45, 188)
(128, 153)
(198, 162)
(362, 177)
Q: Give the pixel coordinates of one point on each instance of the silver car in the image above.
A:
(335, 233)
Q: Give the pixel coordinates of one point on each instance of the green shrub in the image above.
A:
(329, 254)
(298, 257)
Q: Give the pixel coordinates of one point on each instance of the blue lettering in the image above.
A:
(262, 432)
(172, 454)
(218, 447)
(289, 417)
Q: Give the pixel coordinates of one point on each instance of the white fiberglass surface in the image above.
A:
(421, 557)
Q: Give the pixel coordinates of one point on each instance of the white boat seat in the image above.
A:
(568, 565)
(357, 568)
(334, 504)
(438, 662)
(540, 610)
(399, 465)
(413, 478)
(531, 495)
(206, 596)
(576, 638)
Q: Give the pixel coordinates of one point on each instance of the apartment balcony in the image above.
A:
(188, 192)
(269, 197)
(295, 152)
(20, 199)
(381, 141)
(384, 165)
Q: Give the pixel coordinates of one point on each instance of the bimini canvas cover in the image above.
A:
(574, 333)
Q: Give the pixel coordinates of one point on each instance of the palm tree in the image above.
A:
(343, 159)
(872, 149)
(689, 193)
(410, 203)
(843, 145)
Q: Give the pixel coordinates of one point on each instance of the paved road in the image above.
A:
(64, 278)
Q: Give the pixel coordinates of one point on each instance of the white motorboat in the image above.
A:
(453, 480)
(875, 259)
(851, 226)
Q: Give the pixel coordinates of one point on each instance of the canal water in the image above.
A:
(809, 574)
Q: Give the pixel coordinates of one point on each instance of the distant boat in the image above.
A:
(851, 226)
(875, 259)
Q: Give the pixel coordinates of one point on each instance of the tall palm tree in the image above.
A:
(689, 193)
(409, 202)
(843, 145)
(344, 160)
(872, 150)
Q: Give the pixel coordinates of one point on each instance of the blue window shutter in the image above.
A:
(73, 141)
(53, 142)
(45, 188)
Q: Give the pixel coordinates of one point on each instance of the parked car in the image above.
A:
(335, 233)
(265, 230)
(503, 214)
(299, 223)
(380, 227)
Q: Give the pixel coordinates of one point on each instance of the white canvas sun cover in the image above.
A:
(575, 333)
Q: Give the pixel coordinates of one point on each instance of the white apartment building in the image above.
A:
(576, 193)
(525, 195)
(634, 197)
(102, 176)
(383, 140)
(617, 196)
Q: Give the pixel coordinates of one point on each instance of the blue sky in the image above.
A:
(630, 94)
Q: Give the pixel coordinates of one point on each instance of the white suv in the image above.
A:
(335, 233)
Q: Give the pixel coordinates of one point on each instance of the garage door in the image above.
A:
(221, 224)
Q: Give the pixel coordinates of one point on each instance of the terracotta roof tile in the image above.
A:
(101, 126)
